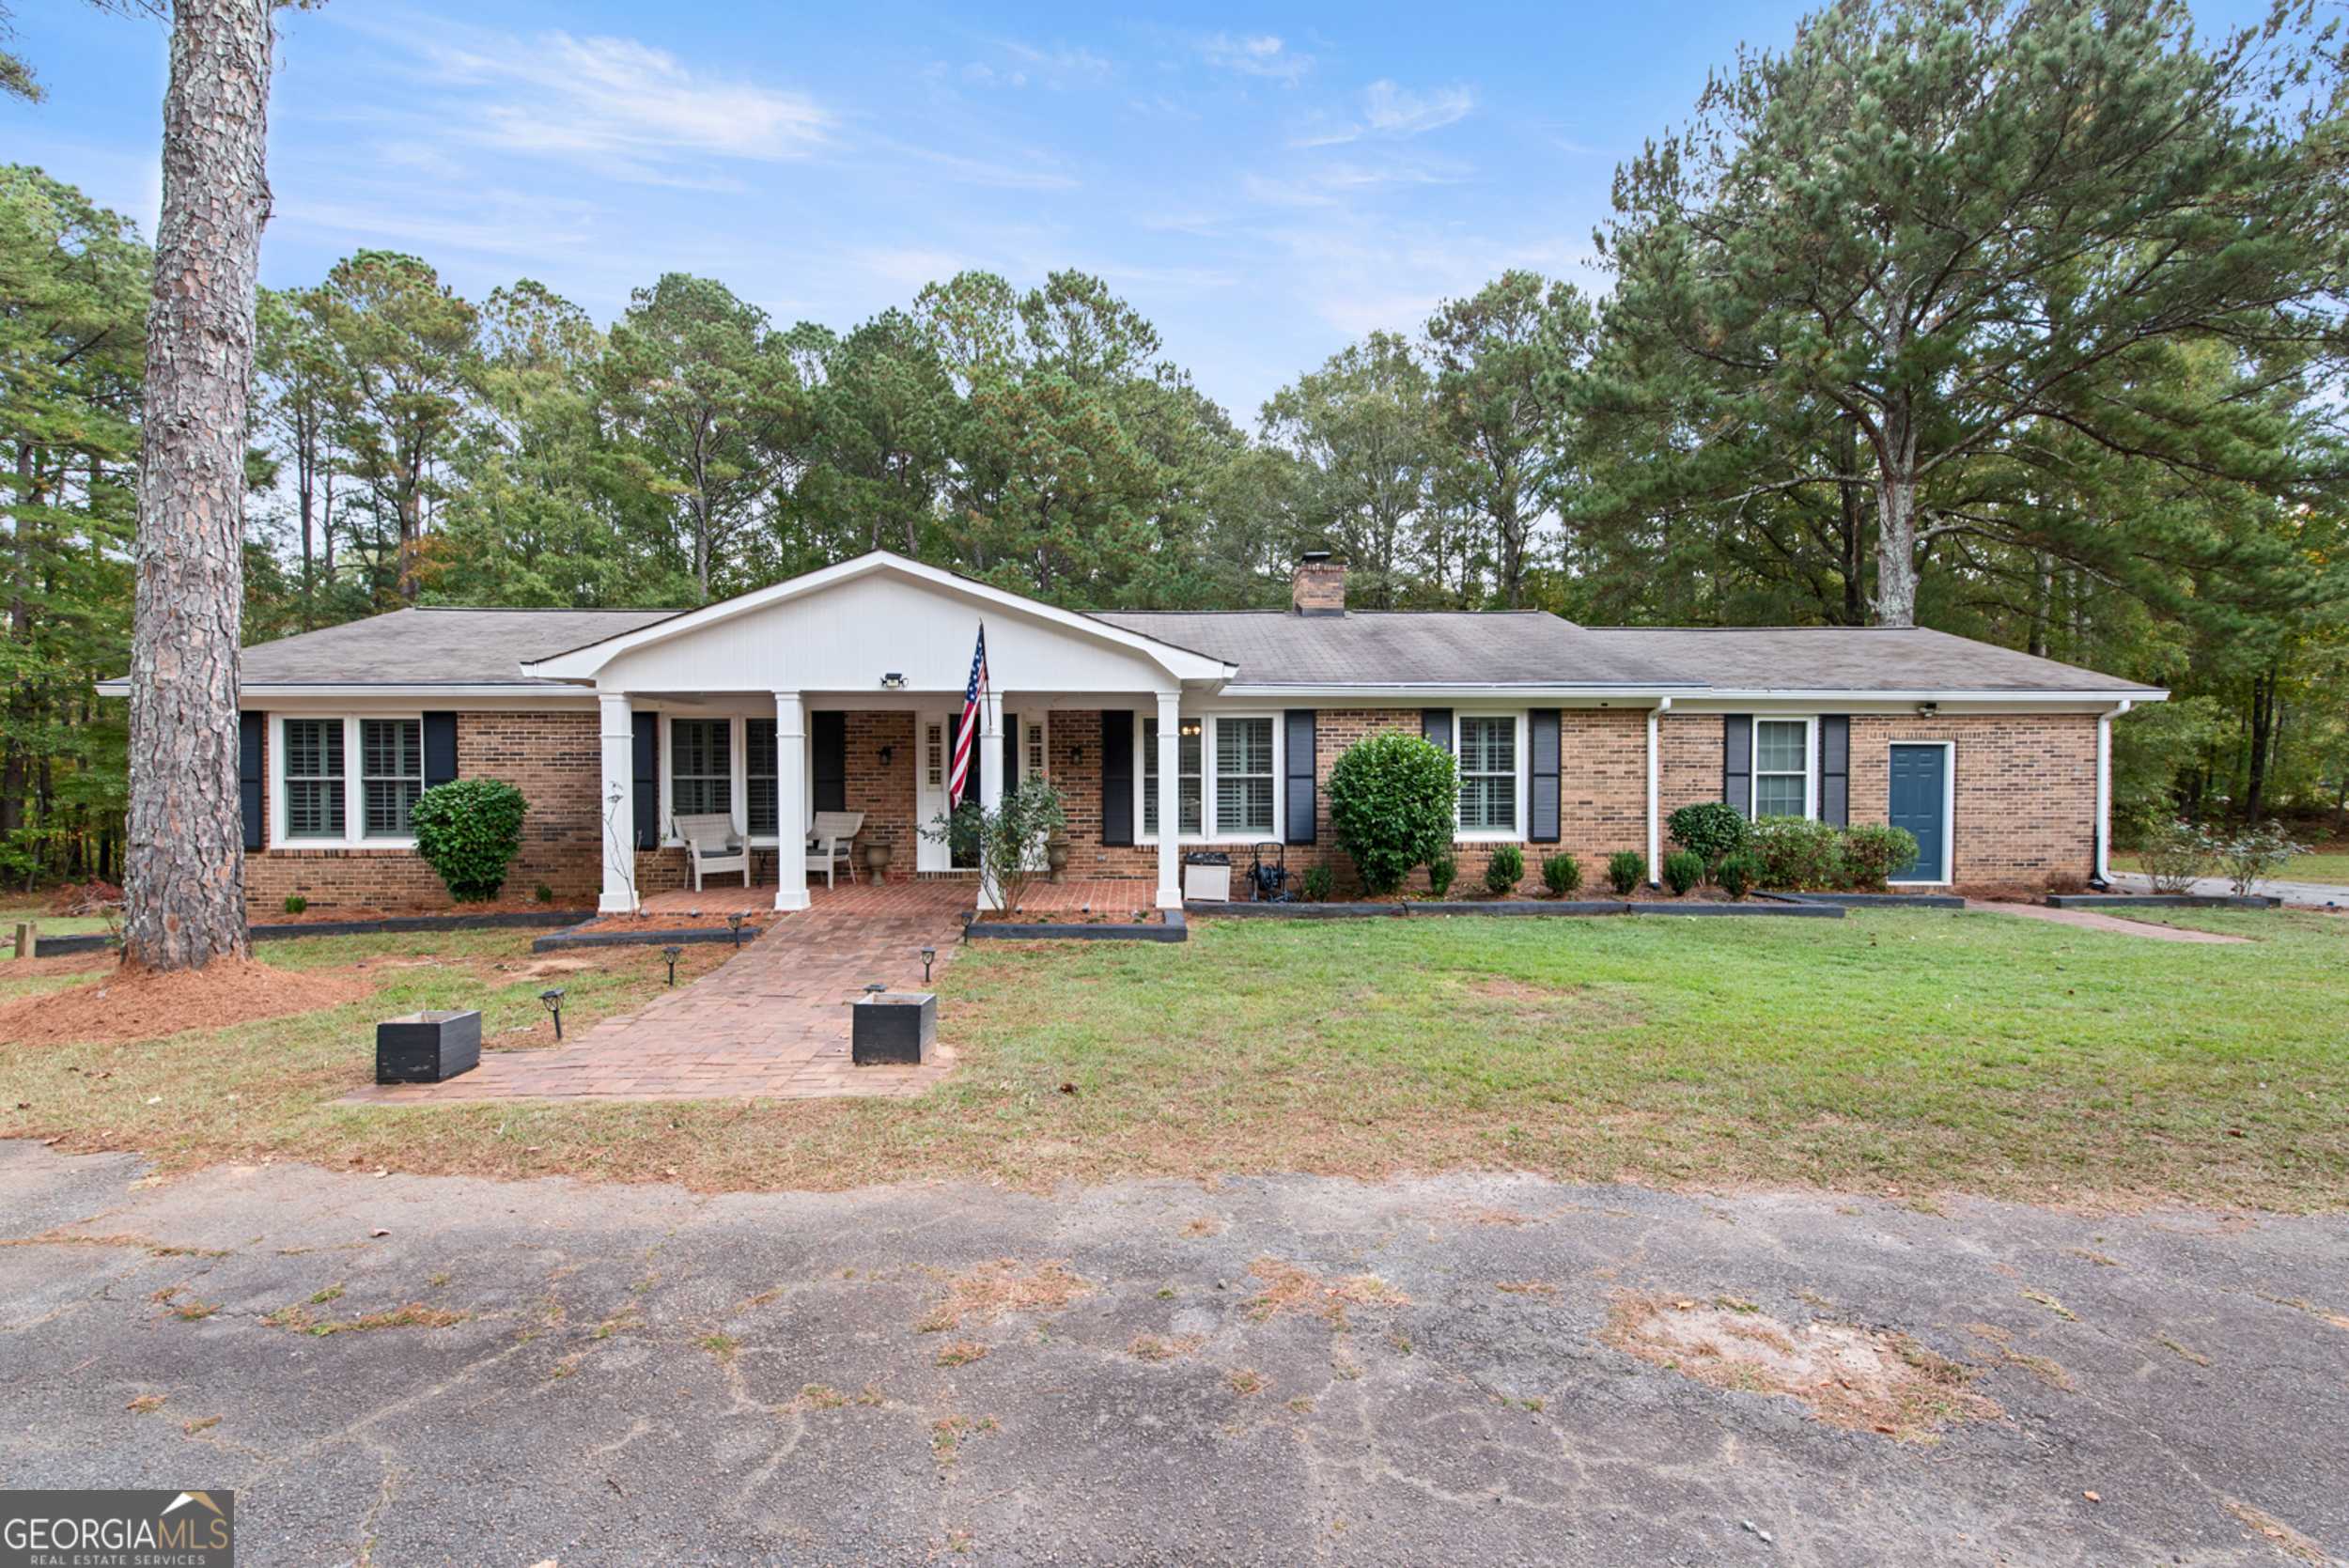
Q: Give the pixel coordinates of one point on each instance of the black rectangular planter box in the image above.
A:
(893, 1029)
(426, 1048)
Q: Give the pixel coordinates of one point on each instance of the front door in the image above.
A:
(934, 742)
(1921, 804)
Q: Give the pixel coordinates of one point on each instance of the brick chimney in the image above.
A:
(1320, 587)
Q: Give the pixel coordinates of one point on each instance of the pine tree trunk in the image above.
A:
(183, 900)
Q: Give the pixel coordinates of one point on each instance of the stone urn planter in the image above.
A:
(877, 860)
(1056, 858)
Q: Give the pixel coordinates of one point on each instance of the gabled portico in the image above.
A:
(881, 635)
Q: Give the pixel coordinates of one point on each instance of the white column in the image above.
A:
(791, 817)
(618, 803)
(2104, 789)
(1654, 818)
(991, 760)
(1169, 801)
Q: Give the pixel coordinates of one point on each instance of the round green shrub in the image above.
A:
(1873, 852)
(1318, 884)
(1505, 870)
(1393, 797)
(469, 831)
(1682, 871)
(1562, 875)
(1796, 852)
(1709, 829)
(1442, 872)
(1627, 870)
(1738, 872)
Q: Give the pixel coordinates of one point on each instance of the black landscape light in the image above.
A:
(671, 954)
(735, 921)
(929, 956)
(874, 988)
(553, 1000)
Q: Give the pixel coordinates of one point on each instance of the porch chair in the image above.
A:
(830, 843)
(711, 844)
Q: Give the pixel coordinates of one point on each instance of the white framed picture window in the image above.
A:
(1243, 776)
(1487, 748)
(337, 778)
(1781, 767)
(1227, 773)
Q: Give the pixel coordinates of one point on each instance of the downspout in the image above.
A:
(1654, 841)
(2100, 875)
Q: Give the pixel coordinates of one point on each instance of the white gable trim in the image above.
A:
(583, 665)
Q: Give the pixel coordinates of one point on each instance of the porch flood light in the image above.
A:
(553, 1000)
(894, 681)
(671, 954)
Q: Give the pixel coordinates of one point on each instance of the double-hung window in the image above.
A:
(1488, 774)
(759, 775)
(391, 773)
(1187, 783)
(1243, 776)
(1781, 767)
(314, 778)
(701, 766)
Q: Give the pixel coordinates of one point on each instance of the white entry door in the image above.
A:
(932, 760)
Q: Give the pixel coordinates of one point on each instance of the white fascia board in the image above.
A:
(582, 664)
(519, 696)
(1481, 691)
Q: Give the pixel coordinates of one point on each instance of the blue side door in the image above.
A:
(1921, 804)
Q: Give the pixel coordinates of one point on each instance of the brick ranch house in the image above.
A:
(842, 690)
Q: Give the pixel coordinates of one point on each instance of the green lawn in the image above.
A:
(1908, 1052)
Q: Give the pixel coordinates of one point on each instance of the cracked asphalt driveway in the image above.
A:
(405, 1370)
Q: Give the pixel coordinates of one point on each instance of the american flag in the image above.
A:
(966, 739)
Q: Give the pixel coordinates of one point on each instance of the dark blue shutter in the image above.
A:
(1835, 769)
(828, 759)
(1541, 815)
(1302, 806)
(440, 749)
(1737, 761)
(1118, 776)
(1435, 723)
(1011, 753)
(644, 775)
(252, 731)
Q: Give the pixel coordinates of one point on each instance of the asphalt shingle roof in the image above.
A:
(1373, 648)
(436, 647)
(1850, 658)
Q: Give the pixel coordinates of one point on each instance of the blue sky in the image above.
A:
(1265, 183)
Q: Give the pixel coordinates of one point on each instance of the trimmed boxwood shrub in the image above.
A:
(1682, 871)
(1442, 872)
(1709, 830)
(1393, 797)
(469, 831)
(1626, 871)
(1562, 875)
(1796, 852)
(1738, 872)
(1872, 851)
(1505, 870)
(1317, 883)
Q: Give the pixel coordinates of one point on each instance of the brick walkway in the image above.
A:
(771, 1022)
(1119, 895)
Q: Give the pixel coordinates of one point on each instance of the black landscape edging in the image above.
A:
(412, 922)
(2162, 901)
(575, 938)
(88, 941)
(1516, 906)
(1174, 930)
(1872, 900)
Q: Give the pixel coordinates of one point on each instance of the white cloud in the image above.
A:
(1399, 111)
(1262, 56)
(616, 98)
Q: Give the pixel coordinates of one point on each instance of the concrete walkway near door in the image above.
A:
(773, 1022)
(2090, 920)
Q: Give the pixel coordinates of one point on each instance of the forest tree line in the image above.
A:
(2022, 323)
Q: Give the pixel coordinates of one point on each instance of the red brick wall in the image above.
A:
(555, 760)
(2025, 790)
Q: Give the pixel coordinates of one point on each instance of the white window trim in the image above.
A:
(1809, 723)
(1214, 832)
(354, 835)
(1518, 789)
(739, 765)
(1949, 813)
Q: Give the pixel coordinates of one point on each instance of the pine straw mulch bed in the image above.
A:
(141, 1004)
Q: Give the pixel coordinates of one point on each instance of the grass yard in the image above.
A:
(1905, 1053)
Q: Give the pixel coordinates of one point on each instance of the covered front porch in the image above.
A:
(843, 691)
